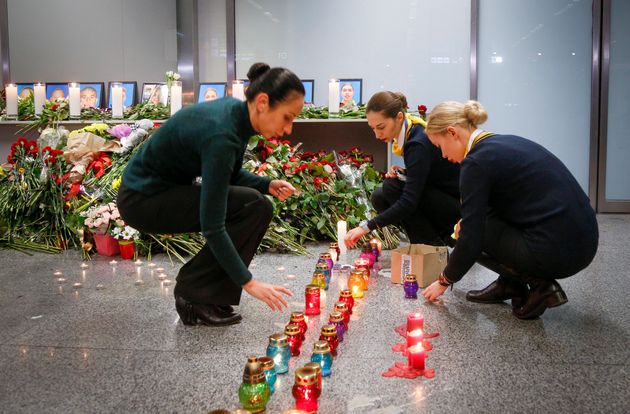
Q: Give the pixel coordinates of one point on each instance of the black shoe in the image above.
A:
(498, 291)
(193, 313)
(546, 294)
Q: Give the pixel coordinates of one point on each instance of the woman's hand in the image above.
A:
(354, 235)
(391, 173)
(434, 291)
(456, 229)
(270, 294)
(281, 189)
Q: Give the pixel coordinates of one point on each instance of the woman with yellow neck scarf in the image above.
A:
(423, 197)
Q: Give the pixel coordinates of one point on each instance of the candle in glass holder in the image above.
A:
(270, 372)
(333, 98)
(312, 300)
(414, 337)
(238, 90)
(176, 96)
(39, 97)
(343, 308)
(336, 318)
(346, 296)
(356, 284)
(305, 390)
(342, 229)
(297, 318)
(278, 349)
(294, 338)
(11, 100)
(322, 266)
(321, 355)
(377, 245)
(117, 99)
(318, 373)
(328, 258)
(329, 334)
(74, 97)
(368, 254)
(254, 391)
(319, 279)
(416, 356)
(411, 287)
(415, 321)
(333, 249)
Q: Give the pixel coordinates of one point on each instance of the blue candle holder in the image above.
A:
(322, 356)
(278, 350)
(270, 372)
(322, 266)
(411, 287)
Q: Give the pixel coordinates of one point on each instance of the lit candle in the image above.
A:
(84, 265)
(39, 97)
(415, 321)
(415, 356)
(414, 337)
(333, 99)
(117, 100)
(346, 296)
(12, 100)
(322, 266)
(238, 90)
(176, 96)
(151, 264)
(161, 276)
(294, 338)
(77, 285)
(343, 308)
(297, 318)
(58, 273)
(138, 262)
(311, 295)
(322, 355)
(318, 372)
(328, 258)
(356, 284)
(334, 251)
(74, 94)
(270, 372)
(61, 280)
(113, 262)
(329, 334)
(254, 391)
(336, 318)
(305, 390)
(319, 279)
(278, 350)
(342, 228)
(160, 269)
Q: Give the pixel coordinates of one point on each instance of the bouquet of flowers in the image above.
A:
(124, 232)
(102, 218)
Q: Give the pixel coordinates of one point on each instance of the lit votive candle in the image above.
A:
(159, 270)
(355, 284)
(321, 355)
(151, 264)
(294, 338)
(311, 295)
(77, 285)
(58, 273)
(113, 262)
(346, 296)
(305, 390)
(278, 350)
(167, 282)
(416, 356)
(84, 265)
(61, 280)
(161, 276)
(138, 262)
(415, 321)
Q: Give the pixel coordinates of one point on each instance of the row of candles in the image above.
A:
(74, 99)
(260, 374)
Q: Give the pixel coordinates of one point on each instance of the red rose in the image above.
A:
(422, 108)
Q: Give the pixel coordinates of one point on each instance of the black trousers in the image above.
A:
(176, 210)
(432, 222)
(506, 251)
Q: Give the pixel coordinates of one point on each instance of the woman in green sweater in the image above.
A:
(208, 140)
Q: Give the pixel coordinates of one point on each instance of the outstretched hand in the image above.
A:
(272, 295)
(353, 236)
(281, 189)
(434, 291)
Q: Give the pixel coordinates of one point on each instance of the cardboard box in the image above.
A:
(422, 260)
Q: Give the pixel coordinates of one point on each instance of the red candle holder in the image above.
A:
(305, 390)
(294, 338)
(311, 295)
(416, 356)
(297, 318)
(414, 337)
(368, 254)
(329, 334)
(346, 296)
(343, 308)
(315, 366)
(415, 321)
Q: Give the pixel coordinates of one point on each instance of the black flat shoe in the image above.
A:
(546, 294)
(226, 310)
(193, 313)
(498, 291)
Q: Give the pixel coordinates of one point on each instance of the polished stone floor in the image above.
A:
(116, 344)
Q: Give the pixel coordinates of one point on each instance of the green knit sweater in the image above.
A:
(207, 140)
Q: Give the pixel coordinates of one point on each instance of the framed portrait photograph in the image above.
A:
(24, 90)
(155, 93)
(56, 90)
(129, 91)
(92, 94)
(209, 91)
(309, 87)
(350, 90)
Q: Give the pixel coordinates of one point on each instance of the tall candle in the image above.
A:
(416, 355)
(39, 97)
(415, 321)
(74, 92)
(414, 337)
(342, 228)
(333, 97)
(117, 100)
(176, 97)
(238, 90)
(12, 100)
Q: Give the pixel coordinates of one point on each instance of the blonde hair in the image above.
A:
(451, 113)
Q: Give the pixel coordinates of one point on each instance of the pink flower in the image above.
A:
(120, 131)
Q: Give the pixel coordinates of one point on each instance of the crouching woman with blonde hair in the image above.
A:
(521, 209)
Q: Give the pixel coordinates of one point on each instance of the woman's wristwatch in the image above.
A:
(443, 281)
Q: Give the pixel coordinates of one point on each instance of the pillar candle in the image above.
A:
(39, 97)
(415, 356)
(238, 90)
(176, 97)
(414, 338)
(342, 228)
(117, 100)
(74, 93)
(415, 321)
(12, 100)
(333, 97)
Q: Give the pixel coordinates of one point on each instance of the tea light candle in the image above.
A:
(151, 264)
(414, 337)
(159, 270)
(11, 100)
(355, 284)
(77, 285)
(176, 97)
(342, 229)
(167, 282)
(138, 262)
(84, 265)
(61, 280)
(333, 99)
(113, 262)
(74, 94)
(161, 276)
(58, 273)
(238, 90)
(117, 100)
(415, 321)
(100, 286)
(416, 356)
(39, 97)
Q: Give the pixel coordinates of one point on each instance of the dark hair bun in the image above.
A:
(257, 70)
(402, 99)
